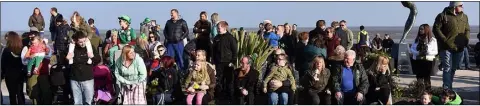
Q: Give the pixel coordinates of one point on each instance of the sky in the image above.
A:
(15, 15)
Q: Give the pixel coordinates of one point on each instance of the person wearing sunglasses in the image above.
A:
(452, 31)
(346, 35)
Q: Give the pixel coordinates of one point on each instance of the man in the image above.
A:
(261, 29)
(294, 31)
(351, 83)
(318, 32)
(466, 59)
(81, 72)
(362, 38)
(224, 55)
(91, 22)
(387, 44)
(452, 31)
(246, 79)
(346, 35)
(53, 22)
(175, 31)
(377, 43)
(62, 40)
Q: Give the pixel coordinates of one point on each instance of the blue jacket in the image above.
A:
(272, 38)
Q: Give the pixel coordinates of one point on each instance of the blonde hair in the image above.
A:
(142, 43)
(204, 54)
(125, 50)
(316, 60)
(382, 60)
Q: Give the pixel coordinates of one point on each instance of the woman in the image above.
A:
(337, 59)
(316, 83)
(279, 72)
(12, 68)
(131, 73)
(300, 46)
(245, 81)
(197, 82)
(153, 40)
(424, 50)
(380, 82)
(215, 19)
(36, 20)
(289, 41)
(331, 41)
(163, 80)
(112, 44)
(141, 48)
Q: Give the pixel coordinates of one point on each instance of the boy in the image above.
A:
(448, 97)
(425, 99)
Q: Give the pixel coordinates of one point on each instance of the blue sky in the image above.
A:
(14, 15)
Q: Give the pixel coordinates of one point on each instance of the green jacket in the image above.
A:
(134, 74)
(127, 35)
(448, 26)
(281, 74)
(360, 80)
(437, 100)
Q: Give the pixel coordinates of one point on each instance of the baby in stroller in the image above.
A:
(103, 85)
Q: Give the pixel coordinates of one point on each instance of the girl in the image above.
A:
(36, 52)
(424, 50)
(197, 82)
(78, 24)
(380, 82)
(131, 73)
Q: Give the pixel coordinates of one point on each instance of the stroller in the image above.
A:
(103, 85)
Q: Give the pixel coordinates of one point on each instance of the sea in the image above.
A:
(395, 32)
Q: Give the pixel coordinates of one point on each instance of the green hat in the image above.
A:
(147, 20)
(126, 18)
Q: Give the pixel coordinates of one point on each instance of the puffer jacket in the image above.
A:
(176, 31)
(360, 81)
(62, 38)
(451, 31)
(36, 21)
(53, 22)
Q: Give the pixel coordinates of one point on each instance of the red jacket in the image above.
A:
(331, 44)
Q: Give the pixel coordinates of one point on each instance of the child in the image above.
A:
(425, 99)
(71, 48)
(448, 97)
(197, 82)
(37, 51)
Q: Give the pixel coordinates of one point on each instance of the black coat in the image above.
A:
(247, 82)
(81, 71)
(167, 79)
(53, 22)
(62, 39)
(289, 42)
(176, 31)
(224, 48)
(12, 66)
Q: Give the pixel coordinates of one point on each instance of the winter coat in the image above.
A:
(248, 82)
(224, 48)
(316, 34)
(452, 31)
(280, 73)
(81, 71)
(37, 21)
(431, 52)
(176, 31)
(62, 39)
(457, 101)
(331, 44)
(53, 22)
(202, 25)
(308, 81)
(361, 83)
(272, 39)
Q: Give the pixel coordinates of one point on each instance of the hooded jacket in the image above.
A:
(452, 31)
(457, 101)
(176, 31)
(363, 38)
(331, 44)
(36, 21)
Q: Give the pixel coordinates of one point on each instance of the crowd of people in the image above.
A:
(324, 66)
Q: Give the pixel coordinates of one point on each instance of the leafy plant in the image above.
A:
(253, 46)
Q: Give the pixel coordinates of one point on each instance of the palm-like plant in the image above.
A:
(254, 46)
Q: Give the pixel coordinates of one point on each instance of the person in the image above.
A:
(270, 35)
(425, 99)
(79, 25)
(11, 67)
(91, 22)
(141, 48)
(336, 59)
(387, 43)
(53, 21)
(311, 51)
(345, 34)
(452, 38)
(175, 31)
(163, 79)
(294, 31)
(424, 51)
(36, 20)
(261, 29)
(214, 19)
(281, 71)
(331, 41)
(465, 59)
(300, 47)
(126, 33)
(335, 25)
(109, 46)
(61, 40)
(202, 31)
(159, 53)
(351, 82)
(81, 73)
(447, 97)
(201, 55)
(131, 73)
(380, 80)
(246, 79)
(153, 40)
(316, 83)
(377, 43)
(289, 41)
(145, 28)
(37, 51)
(224, 55)
(318, 32)
(477, 52)
(363, 38)
(197, 82)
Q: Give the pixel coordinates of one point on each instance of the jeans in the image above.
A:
(465, 58)
(82, 92)
(53, 35)
(449, 64)
(159, 99)
(276, 99)
(176, 50)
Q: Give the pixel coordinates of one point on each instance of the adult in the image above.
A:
(300, 47)
(261, 29)
(53, 21)
(141, 48)
(316, 83)
(91, 23)
(345, 34)
(79, 25)
(145, 27)
(452, 31)
(111, 47)
(175, 31)
(424, 51)
(224, 55)
(336, 59)
(272, 84)
(318, 32)
(81, 73)
(126, 33)
(362, 38)
(331, 41)
(215, 19)
(351, 82)
(36, 20)
(387, 43)
(381, 82)
(317, 48)
(131, 73)
(12, 68)
(61, 40)
(202, 31)
(335, 25)
(377, 43)
(294, 31)
(270, 35)
(246, 79)
(164, 76)
(289, 41)
(153, 40)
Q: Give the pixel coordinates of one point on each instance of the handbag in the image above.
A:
(103, 95)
